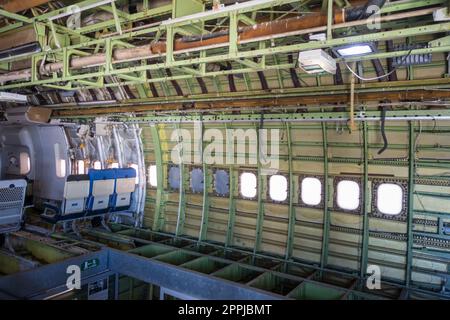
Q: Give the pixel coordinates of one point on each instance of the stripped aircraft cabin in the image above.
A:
(232, 150)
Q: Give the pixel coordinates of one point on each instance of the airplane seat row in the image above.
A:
(102, 184)
(93, 195)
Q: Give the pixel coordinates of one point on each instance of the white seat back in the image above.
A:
(124, 188)
(126, 185)
(103, 188)
(76, 190)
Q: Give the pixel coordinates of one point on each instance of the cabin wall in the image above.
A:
(262, 224)
(53, 153)
(47, 149)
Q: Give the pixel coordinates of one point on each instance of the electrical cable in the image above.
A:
(379, 77)
(383, 131)
(383, 109)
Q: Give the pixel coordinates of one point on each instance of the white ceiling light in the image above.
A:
(354, 50)
(12, 97)
(318, 37)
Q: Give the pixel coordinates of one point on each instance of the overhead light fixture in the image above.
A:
(12, 97)
(316, 61)
(352, 50)
(318, 37)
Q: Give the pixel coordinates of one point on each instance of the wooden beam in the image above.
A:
(17, 6)
(414, 95)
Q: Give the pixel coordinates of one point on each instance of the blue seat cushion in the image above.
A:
(105, 174)
(124, 173)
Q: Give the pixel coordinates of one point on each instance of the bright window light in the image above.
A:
(135, 167)
(311, 191)
(25, 163)
(248, 185)
(61, 168)
(348, 194)
(97, 165)
(152, 176)
(278, 186)
(81, 169)
(114, 165)
(60, 164)
(390, 199)
(355, 50)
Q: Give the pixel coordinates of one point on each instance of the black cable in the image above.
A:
(379, 77)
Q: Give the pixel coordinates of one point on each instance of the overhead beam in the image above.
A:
(236, 101)
(394, 115)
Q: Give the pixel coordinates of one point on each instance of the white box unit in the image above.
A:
(441, 14)
(316, 61)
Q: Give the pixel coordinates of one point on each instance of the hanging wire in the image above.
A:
(379, 77)
(418, 135)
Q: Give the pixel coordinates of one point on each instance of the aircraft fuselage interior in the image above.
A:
(225, 150)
